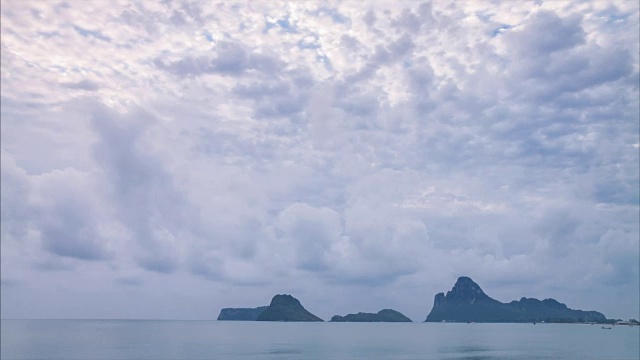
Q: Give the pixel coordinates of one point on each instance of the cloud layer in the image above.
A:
(176, 153)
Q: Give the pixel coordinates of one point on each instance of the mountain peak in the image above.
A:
(466, 290)
(467, 302)
(285, 300)
(285, 307)
(464, 281)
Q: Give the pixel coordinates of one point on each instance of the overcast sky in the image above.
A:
(165, 159)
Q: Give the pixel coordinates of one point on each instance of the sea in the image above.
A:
(190, 340)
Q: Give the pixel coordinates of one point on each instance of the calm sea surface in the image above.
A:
(140, 339)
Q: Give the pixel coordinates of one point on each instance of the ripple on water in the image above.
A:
(284, 351)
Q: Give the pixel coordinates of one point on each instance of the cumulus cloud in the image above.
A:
(238, 150)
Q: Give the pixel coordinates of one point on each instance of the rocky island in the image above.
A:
(286, 308)
(466, 302)
(385, 315)
(241, 314)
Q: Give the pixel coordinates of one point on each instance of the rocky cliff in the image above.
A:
(246, 314)
(286, 308)
(386, 315)
(467, 302)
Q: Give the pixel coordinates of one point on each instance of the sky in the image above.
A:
(166, 159)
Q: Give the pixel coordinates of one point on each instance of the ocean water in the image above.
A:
(142, 339)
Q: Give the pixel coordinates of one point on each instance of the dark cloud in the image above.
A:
(54, 265)
(208, 268)
(413, 21)
(83, 85)
(160, 264)
(280, 94)
(148, 202)
(558, 227)
(64, 220)
(312, 232)
(9, 283)
(349, 42)
(369, 17)
(15, 189)
(546, 33)
(69, 234)
(384, 55)
(232, 59)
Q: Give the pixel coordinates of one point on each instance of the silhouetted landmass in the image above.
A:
(386, 315)
(286, 308)
(245, 314)
(467, 302)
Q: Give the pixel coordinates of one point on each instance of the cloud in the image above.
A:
(546, 33)
(231, 59)
(49, 203)
(15, 196)
(67, 224)
(91, 33)
(83, 85)
(240, 150)
(147, 201)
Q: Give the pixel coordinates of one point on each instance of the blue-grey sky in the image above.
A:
(164, 159)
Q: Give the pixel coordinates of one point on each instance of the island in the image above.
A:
(466, 302)
(241, 314)
(286, 308)
(385, 315)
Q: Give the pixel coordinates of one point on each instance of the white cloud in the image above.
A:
(261, 147)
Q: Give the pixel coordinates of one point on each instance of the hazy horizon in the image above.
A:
(166, 159)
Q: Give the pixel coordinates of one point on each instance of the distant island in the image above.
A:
(241, 314)
(282, 308)
(286, 308)
(466, 302)
(385, 315)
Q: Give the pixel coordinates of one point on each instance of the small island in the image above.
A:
(466, 302)
(286, 308)
(385, 315)
(241, 314)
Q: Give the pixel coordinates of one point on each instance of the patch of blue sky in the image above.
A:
(617, 18)
(334, 14)
(58, 68)
(484, 17)
(310, 42)
(500, 30)
(286, 25)
(283, 24)
(207, 35)
(268, 26)
(325, 60)
(90, 33)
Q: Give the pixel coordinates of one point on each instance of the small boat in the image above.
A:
(607, 327)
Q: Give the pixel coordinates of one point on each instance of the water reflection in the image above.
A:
(464, 349)
(284, 351)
